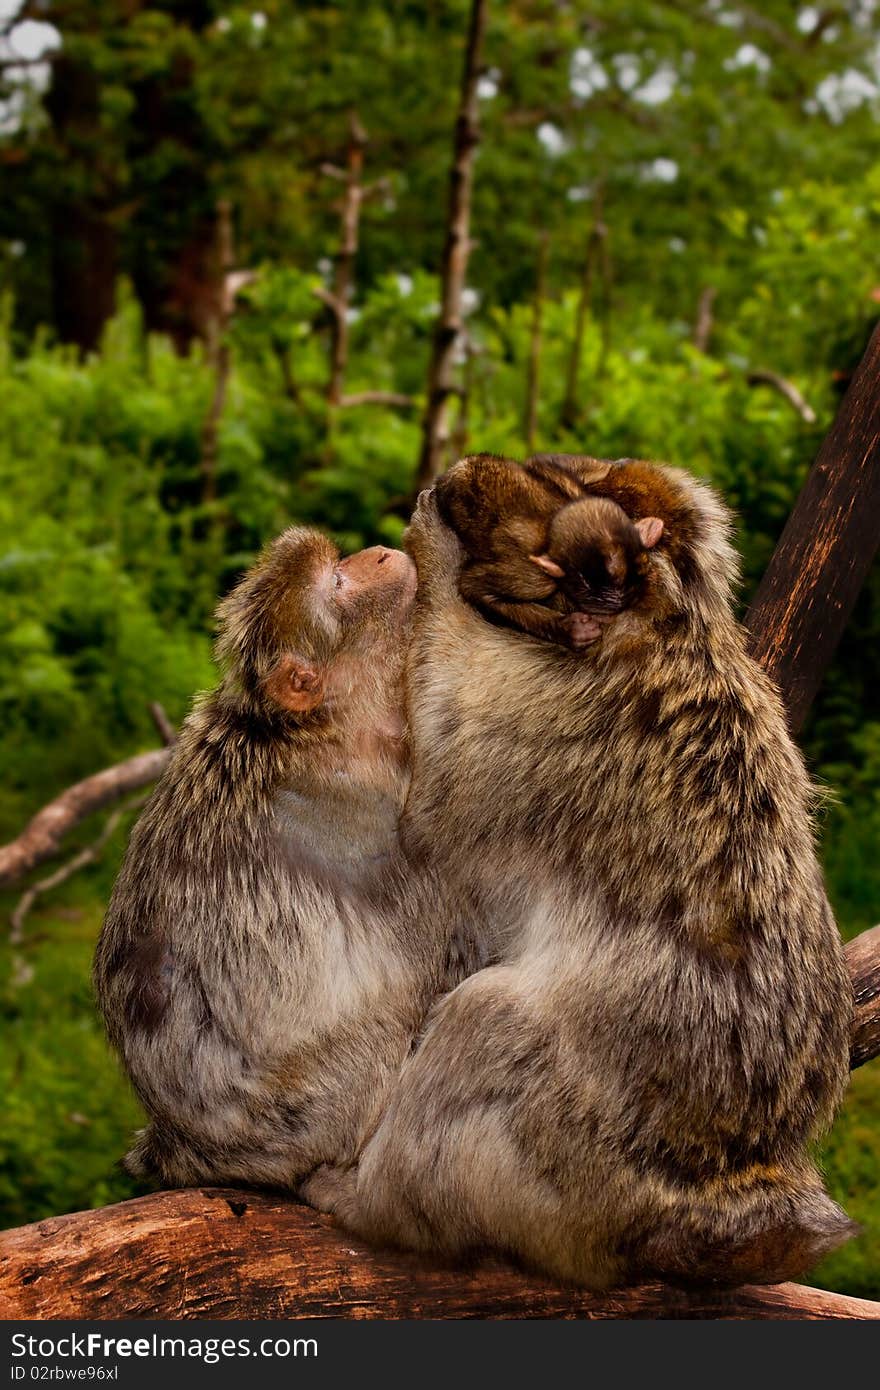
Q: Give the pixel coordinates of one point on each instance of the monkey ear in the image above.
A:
(650, 528)
(295, 684)
(550, 566)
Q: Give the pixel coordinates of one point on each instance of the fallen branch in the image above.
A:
(222, 1253)
(786, 389)
(42, 837)
(86, 856)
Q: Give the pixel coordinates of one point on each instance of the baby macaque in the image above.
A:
(527, 544)
(634, 1090)
(269, 954)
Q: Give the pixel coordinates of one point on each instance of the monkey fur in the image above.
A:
(268, 954)
(531, 534)
(634, 1089)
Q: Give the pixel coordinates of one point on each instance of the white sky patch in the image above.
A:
(748, 56)
(840, 93)
(729, 19)
(404, 284)
(677, 244)
(259, 20)
(659, 86)
(29, 41)
(628, 70)
(552, 138)
(586, 75)
(660, 170)
(488, 84)
(579, 194)
(470, 300)
(807, 19)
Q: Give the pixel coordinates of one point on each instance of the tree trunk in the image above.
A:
(456, 251)
(598, 232)
(84, 241)
(805, 599)
(343, 273)
(533, 374)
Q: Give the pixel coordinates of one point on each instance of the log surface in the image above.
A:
(222, 1253)
(805, 599)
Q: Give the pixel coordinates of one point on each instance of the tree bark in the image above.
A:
(805, 599)
(42, 837)
(863, 959)
(223, 1253)
(456, 252)
(219, 349)
(343, 272)
(533, 373)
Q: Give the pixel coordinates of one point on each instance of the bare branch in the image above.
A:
(395, 399)
(705, 321)
(86, 856)
(336, 307)
(787, 389)
(42, 837)
(164, 727)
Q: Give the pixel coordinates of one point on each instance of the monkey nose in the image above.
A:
(382, 556)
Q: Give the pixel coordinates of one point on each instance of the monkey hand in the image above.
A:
(580, 630)
(436, 551)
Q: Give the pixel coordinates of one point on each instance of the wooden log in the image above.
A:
(804, 601)
(222, 1253)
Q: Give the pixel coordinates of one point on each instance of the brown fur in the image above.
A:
(269, 953)
(634, 1089)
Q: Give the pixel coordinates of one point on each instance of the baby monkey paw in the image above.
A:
(581, 630)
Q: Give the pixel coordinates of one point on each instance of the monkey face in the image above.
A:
(377, 585)
(302, 614)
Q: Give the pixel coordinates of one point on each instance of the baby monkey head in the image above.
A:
(304, 623)
(597, 554)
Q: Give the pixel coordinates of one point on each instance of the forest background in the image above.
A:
(225, 306)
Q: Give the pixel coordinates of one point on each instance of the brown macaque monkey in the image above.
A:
(269, 954)
(634, 1089)
(530, 536)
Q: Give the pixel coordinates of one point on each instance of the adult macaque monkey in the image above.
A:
(633, 1090)
(269, 954)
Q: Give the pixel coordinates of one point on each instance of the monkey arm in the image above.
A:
(436, 551)
(479, 585)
